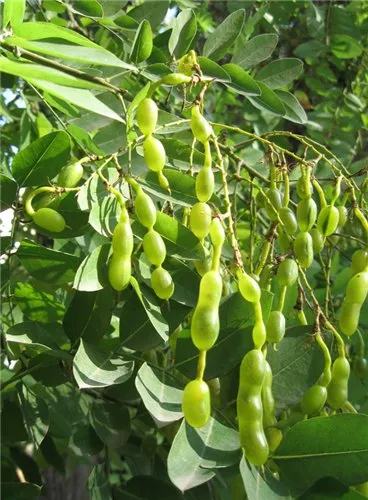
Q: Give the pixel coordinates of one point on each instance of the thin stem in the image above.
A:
(360, 216)
(262, 140)
(234, 241)
(340, 342)
(286, 199)
(325, 378)
(201, 364)
(281, 303)
(320, 192)
(307, 141)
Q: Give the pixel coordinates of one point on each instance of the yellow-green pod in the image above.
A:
(349, 317)
(145, 209)
(147, 114)
(303, 249)
(197, 403)
(119, 272)
(154, 153)
(154, 247)
(49, 219)
(205, 324)
(205, 184)
(162, 283)
(200, 220)
(201, 129)
(359, 261)
(357, 288)
(337, 390)
(328, 220)
(249, 288)
(306, 214)
(314, 399)
(70, 175)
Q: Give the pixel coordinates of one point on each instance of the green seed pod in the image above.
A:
(147, 114)
(70, 175)
(343, 216)
(304, 188)
(259, 334)
(318, 240)
(284, 241)
(163, 181)
(201, 129)
(288, 219)
(359, 261)
(145, 209)
(200, 220)
(328, 220)
(119, 271)
(122, 238)
(303, 249)
(217, 233)
(175, 79)
(273, 434)
(357, 288)
(287, 272)
(49, 219)
(154, 248)
(275, 327)
(274, 199)
(154, 153)
(205, 184)
(249, 408)
(249, 288)
(196, 403)
(306, 214)
(337, 390)
(314, 399)
(162, 283)
(349, 317)
(205, 324)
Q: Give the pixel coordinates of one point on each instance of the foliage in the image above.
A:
(102, 323)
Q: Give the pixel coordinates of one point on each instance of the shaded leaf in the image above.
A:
(255, 50)
(8, 192)
(142, 325)
(111, 421)
(213, 71)
(89, 314)
(294, 110)
(39, 162)
(35, 414)
(195, 453)
(268, 100)
(47, 265)
(280, 72)
(92, 273)
(224, 35)
(160, 393)
(99, 366)
(241, 81)
(261, 486)
(182, 34)
(296, 366)
(142, 45)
